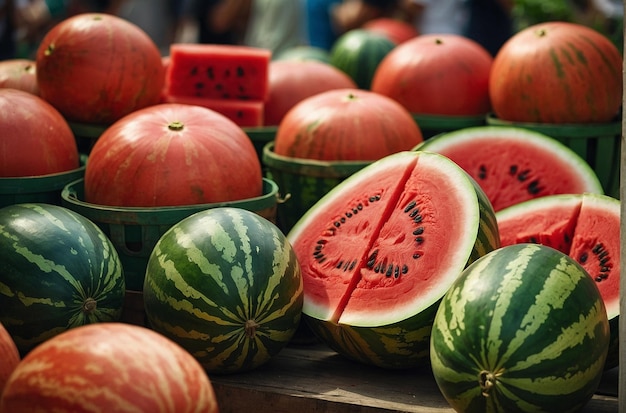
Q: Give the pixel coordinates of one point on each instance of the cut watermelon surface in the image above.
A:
(245, 113)
(218, 71)
(584, 226)
(513, 165)
(382, 248)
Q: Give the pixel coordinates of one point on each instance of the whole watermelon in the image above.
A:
(523, 329)
(225, 284)
(58, 270)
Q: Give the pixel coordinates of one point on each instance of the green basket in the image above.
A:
(598, 143)
(42, 188)
(303, 182)
(135, 231)
(260, 137)
(432, 125)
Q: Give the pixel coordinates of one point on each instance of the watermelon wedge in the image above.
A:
(584, 226)
(379, 251)
(512, 164)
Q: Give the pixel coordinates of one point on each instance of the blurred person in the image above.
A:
(213, 21)
(319, 26)
(437, 16)
(490, 23)
(276, 25)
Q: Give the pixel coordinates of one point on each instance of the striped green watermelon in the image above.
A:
(224, 284)
(58, 271)
(584, 226)
(358, 52)
(523, 329)
(513, 164)
(380, 249)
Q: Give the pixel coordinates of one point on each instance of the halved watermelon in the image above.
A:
(584, 226)
(379, 251)
(513, 164)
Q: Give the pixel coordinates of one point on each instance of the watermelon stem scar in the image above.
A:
(89, 305)
(250, 326)
(487, 380)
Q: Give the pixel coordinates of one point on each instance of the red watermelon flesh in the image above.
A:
(513, 164)
(218, 71)
(245, 113)
(584, 226)
(388, 241)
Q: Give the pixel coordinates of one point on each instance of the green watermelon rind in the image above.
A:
(211, 273)
(578, 165)
(514, 314)
(358, 53)
(557, 201)
(45, 280)
(403, 342)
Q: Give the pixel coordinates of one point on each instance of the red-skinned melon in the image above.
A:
(172, 154)
(442, 74)
(396, 30)
(109, 367)
(97, 68)
(584, 226)
(35, 140)
(557, 72)
(346, 125)
(19, 74)
(9, 356)
(291, 81)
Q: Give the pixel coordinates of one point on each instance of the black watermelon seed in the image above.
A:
(604, 260)
(337, 224)
(603, 254)
(533, 187)
(522, 176)
(405, 269)
(193, 71)
(349, 214)
(396, 272)
(419, 231)
(604, 269)
(566, 237)
(410, 206)
(346, 265)
(322, 259)
(317, 253)
(240, 71)
(209, 73)
(598, 248)
(583, 258)
(604, 275)
(352, 265)
(598, 279)
(419, 240)
(321, 241)
(318, 247)
(360, 206)
(414, 212)
(482, 172)
(416, 255)
(377, 268)
(417, 219)
(342, 220)
(389, 270)
(339, 264)
(199, 86)
(355, 211)
(372, 199)
(512, 169)
(533, 240)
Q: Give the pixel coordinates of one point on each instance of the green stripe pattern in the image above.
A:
(58, 270)
(225, 284)
(524, 329)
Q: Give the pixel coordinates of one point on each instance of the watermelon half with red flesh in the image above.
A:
(379, 251)
(513, 164)
(584, 226)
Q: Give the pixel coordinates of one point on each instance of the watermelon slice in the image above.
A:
(245, 113)
(218, 71)
(584, 226)
(513, 164)
(379, 251)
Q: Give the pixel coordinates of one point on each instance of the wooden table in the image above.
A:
(314, 379)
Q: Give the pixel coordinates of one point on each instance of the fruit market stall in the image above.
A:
(312, 378)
